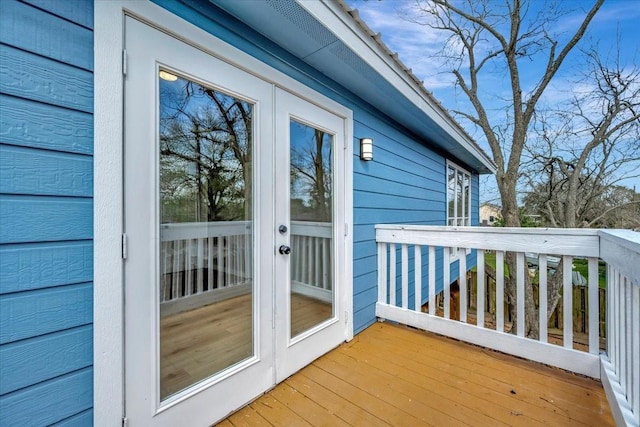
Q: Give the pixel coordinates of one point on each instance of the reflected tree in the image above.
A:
(205, 154)
(311, 179)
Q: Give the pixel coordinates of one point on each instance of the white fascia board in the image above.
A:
(334, 17)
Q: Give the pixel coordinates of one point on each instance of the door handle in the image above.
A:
(284, 250)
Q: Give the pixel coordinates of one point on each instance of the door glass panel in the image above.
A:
(311, 210)
(206, 241)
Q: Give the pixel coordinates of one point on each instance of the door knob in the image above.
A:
(284, 250)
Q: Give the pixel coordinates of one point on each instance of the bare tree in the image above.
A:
(486, 38)
(578, 149)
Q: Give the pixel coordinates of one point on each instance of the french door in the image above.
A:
(234, 254)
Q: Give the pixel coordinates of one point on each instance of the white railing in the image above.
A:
(206, 262)
(203, 262)
(312, 259)
(428, 250)
(621, 364)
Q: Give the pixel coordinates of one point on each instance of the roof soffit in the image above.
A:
(367, 73)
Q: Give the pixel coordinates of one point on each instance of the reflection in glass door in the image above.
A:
(311, 213)
(205, 197)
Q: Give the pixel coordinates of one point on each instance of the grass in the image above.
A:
(579, 264)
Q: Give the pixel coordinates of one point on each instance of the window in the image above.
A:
(458, 196)
(458, 201)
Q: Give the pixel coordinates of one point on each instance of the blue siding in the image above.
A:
(404, 184)
(46, 212)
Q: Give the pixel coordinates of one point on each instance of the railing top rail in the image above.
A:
(574, 242)
(621, 250)
(493, 230)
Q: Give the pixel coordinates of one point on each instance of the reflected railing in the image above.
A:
(205, 262)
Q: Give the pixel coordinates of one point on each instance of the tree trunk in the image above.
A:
(510, 213)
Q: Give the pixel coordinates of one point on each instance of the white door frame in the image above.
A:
(108, 368)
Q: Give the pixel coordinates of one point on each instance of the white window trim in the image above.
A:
(454, 252)
(108, 386)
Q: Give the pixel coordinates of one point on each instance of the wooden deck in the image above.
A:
(394, 375)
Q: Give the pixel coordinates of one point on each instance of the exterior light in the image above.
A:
(366, 149)
(164, 75)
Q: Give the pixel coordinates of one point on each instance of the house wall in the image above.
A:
(404, 184)
(46, 186)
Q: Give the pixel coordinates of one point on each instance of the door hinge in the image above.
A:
(124, 62)
(124, 246)
(125, 422)
(346, 229)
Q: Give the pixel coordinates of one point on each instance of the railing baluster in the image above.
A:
(382, 273)
(405, 276)
(248, 259)
(615, 319)
(392, 274)
(417, 249)
(542, 297)
(220, 264)
(200, 266)
(432, 280)
(188, 268)
(210, 263)
(462, 279)
(567, 298)
(480, 289)
(635, 352)
(520, 293)
(316, 267)
(624, 354)
(176, 269)
(594, 317)
(326, 270)
(309, 273)
(500, 291)
(446, 277)
(177, 255)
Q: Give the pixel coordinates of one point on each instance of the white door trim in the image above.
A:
(108, 389)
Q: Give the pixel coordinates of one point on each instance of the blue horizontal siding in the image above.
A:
(30, 76)
(42, 265)
(47, 127)
(39, 219)
(46, 212)
(39, 172)
(83, 419)
(38, 360)
(31, 314)
(37, 31)
(50, 402)
(72, 10)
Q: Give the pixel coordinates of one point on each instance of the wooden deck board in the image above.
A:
(394, 375)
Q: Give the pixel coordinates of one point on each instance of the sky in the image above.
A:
(417, 46)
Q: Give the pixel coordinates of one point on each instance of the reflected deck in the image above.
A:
(200, 342)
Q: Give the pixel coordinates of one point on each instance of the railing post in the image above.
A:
(382, 273)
